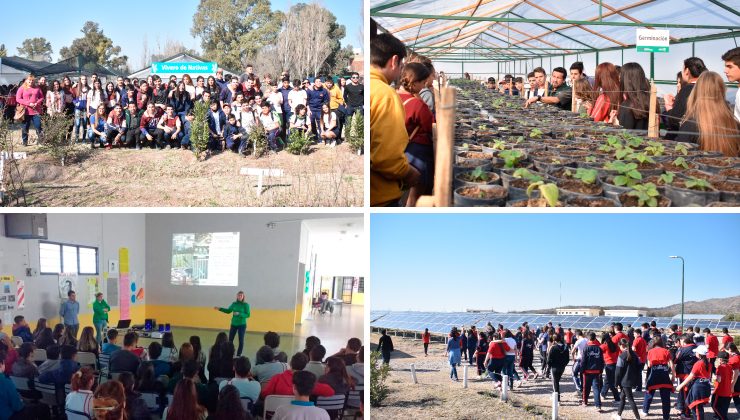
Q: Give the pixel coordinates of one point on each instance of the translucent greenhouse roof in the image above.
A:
(523, 29)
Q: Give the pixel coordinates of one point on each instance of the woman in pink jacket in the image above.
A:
(31, 97)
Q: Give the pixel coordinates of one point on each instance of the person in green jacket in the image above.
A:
(239, 311)
(100, 316)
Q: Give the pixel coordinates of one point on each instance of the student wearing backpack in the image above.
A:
(698, 383)
(495, 358)
(627, 375)
(557, 359)
(661, 372)
(684, 361)
(592, 364)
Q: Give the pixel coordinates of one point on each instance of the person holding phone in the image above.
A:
(239, 310)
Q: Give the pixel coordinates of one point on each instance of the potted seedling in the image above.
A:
(644, 195)
(625, 175)
(691, 192)
(678, 164)
(480, 196)
(584, 182)
(716, 164)
(476, 177)
(548, 192)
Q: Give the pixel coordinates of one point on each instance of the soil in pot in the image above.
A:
(471, 155)
(570, 186)
(613, 191)
(729, 191)
(731, 173)
(469, 179)
(532, 202)
(721, 204)
(469, 165)
(629, 201)
(684, 197)
(668, 166)
(591, 202)
(518, 189)
(485, 195)
(715, 164)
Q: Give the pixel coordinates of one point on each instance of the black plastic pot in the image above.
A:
(549, 166)
(533, 202)
(462, 167)
(729, 191)
(683, 197)
(662, 200)
(499, 199)
(495, 179)
(613, 191)
(567, 193)
(713, 165)
(591, 202)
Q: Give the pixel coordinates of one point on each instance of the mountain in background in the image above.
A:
(729, 306)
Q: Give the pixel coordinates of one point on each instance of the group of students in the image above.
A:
(163, 369)
(157, 113)
(620, 95)
(701, 367)
(401, 117)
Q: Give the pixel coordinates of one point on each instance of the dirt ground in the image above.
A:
(327, 177)
(436, 396)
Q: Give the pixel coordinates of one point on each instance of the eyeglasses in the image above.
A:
(355, 77)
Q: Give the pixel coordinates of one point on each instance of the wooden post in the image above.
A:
(465, 376)
(573, 98)
(413, 373)
(555, 406)
(653, 123)
(444, 156)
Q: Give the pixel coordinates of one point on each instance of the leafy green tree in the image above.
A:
(35, 49)
(3, 51)
(235, 30)
(96, 47)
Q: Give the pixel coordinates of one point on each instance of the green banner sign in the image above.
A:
(648, 49)
(184, 67)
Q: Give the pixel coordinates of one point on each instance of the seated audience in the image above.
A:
(52, 359)
(282, 384)
(67, 367)
(349, 353)
(229, 405)
(110, 346)
(125, 360)
(45, 339)
(161, 367)
(24, 367)
(316, 364)
(21, 329)
(80, 400)
(40, 326)
(310, 343)
(243, 381)
(189, 372)
(146, 381)
(266, 366)
(185, 403)
(357, 370)
(88, 342)
(336, 376)
(169, 350)
(109, 401)
(136, 408)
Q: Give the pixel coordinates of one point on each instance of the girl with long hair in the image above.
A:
(527, 355)
(112, 96)
(58, 332)
(329, 131)
(419, 119)
(557, 358)
(336, 376)
(607, 89)
(584, 95)
(229, 405)
(96, 96)
(239, 310)
(707, 115)
(88, 342)
(55, 98)
(96, 131)
(627, 376)
(110, 402)
(611, 352)
(480, 353)
(67, 338)
(185, 403)
(453, 352)
(661, 372)
(169, 350)
(188, 82)
(40, 326)
(635, 106)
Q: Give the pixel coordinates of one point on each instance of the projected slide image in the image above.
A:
(205, 259)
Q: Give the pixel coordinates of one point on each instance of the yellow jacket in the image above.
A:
(388, 141)
(335, 97)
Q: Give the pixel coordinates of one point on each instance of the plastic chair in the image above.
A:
(21, 383)
(76, 415)
(333, 405)
(354, 398)
(247, 404)
(152, 401)
(273, 402)
(104, 360)
(39, 355)
(17, 341)
(48, 393)
(86, 358)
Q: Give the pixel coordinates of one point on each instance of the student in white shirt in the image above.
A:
(576, 354)
(732, 71)
(79, 402)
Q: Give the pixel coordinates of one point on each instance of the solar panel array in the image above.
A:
(442, 322)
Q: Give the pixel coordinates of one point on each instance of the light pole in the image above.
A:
(682, 277)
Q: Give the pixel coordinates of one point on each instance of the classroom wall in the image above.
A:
(268, 271)
(108, 232)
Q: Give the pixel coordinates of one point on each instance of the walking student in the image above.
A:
(592, 364)
(425, 339)
(611, 352)
(661, 372)
(627, 375)
(453, 352)
(557, 359)
(698, 384)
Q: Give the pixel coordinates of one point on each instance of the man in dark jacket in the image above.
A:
(592, 364)
(684, 360)
(385, 345)
(676, 107)
(316, 96)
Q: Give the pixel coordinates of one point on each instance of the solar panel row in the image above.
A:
(441, 323)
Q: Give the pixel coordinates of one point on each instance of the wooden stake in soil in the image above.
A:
(573, 98)
(443, 159)
(413, 373)
(555, 406)
(505, 388)
(653, 126)
(465, 376)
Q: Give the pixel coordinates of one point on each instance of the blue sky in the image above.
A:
(453, 262)
(60, 23)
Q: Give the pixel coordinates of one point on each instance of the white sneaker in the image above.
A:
(333, 144)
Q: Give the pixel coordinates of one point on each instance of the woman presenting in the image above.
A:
(239, 311)
(100, 316)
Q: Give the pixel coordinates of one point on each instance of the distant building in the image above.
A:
(358, 63)
(623, 312)
(579, 311)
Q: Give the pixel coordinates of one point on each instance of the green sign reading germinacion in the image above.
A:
(184, 67)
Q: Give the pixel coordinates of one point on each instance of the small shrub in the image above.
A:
(378, 375)
(299, 143)
(355, 132)
(258, 139)
(199, 128)
(55, 139)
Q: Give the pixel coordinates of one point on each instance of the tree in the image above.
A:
(343, 59)
(309, 41)
(171, 47)
(36, 49)
(233, 31)
(96, 47)
(3, 51)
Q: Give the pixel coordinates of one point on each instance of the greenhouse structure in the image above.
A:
(493, 146)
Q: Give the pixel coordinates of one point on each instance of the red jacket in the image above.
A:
(610, 358)
(282, 384)
(713, 344)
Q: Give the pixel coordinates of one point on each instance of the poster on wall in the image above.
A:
(93, 287)
(124, 286)
(112, 297)
(5, 283)
(67, 282)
